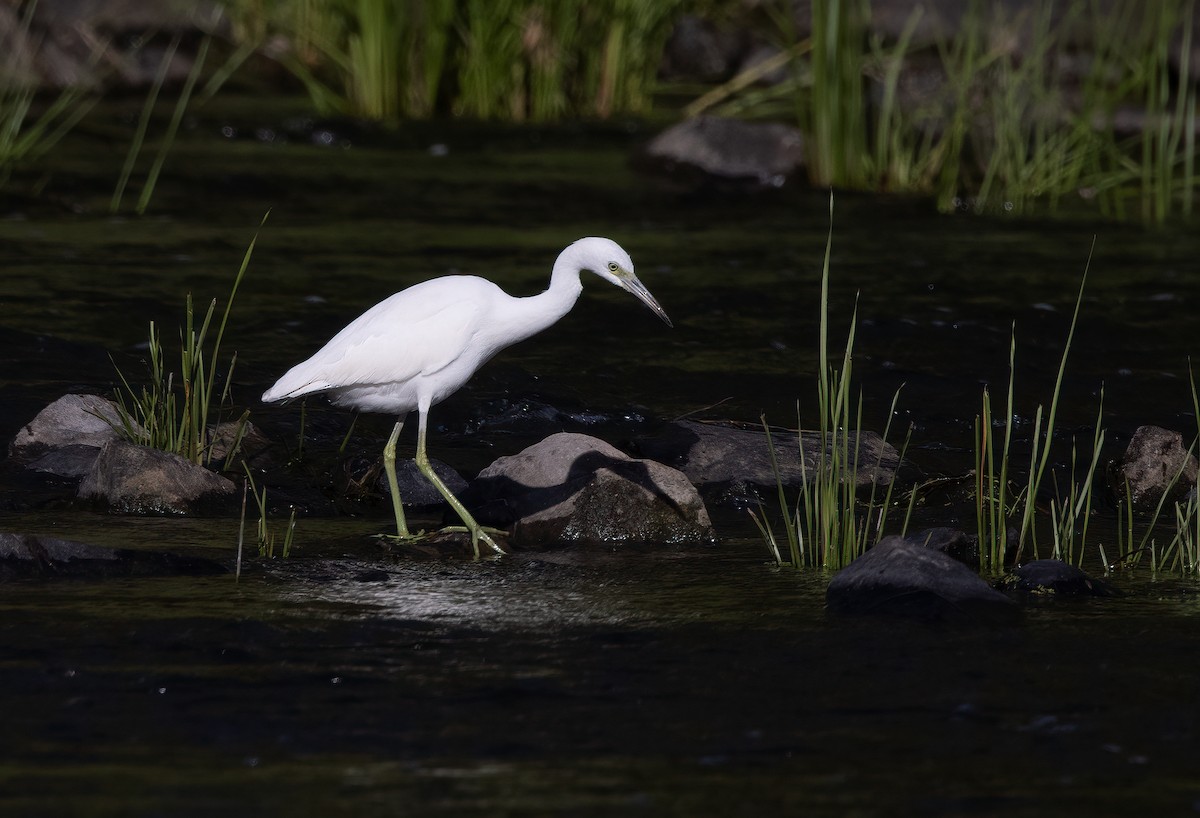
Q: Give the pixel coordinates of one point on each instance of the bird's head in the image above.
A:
(607, 259)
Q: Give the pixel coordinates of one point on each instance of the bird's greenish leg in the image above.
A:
(389, 466)
(478, 533)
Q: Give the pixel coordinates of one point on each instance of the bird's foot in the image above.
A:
(407, 537)
(480, 534)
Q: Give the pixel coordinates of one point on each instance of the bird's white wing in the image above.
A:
(415, 332)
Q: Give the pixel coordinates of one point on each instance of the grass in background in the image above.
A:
(500, 59)
(1014, 126)
(26, 131)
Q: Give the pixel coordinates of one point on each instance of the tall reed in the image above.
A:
(995, 511)
(829, 525)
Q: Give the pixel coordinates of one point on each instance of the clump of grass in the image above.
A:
(267, 537)
(174, 415)
(829, 525)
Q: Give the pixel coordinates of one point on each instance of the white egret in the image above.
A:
(419, 346)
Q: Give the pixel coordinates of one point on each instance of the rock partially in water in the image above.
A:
(1055, 578)
(901, 578)
(733, 466)
(24, 556)
(138, 480)
(72, 420)
(1155, 463)
(573, 488)
(761, 153)
(415, 489)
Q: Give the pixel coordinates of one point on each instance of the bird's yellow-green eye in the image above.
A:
(612, 267)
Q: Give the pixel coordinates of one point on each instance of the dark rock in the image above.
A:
(950, 541)
(572, 488)
(1055, 578)
(1152, 467)
(73, 461)
(699, 51)
(139, 480)
(84, 420)
(415, 490)
(25, 556)
(764, 153)
(245, 440)
(733, 466)
(962, 546)
(899, 578)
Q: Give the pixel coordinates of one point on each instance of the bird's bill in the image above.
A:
(633, 285)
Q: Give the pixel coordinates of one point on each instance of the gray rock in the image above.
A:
(733, 466)
(23, 556)
(900, 578)
(84, 420)
(139, 480)
(764, 153)
(1153, 459)
(572, 488)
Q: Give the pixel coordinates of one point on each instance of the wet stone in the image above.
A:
(1055, 578)
(904, 579)
(573, 488)
(24, 556)
(138, 480)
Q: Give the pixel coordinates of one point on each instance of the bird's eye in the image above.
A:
(612, 267)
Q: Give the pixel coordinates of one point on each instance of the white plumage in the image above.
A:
(419, 346)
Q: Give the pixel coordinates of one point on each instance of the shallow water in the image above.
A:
(347, 680)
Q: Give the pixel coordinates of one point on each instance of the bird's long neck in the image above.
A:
(537, 312)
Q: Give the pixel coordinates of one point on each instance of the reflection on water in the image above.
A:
(623, 588)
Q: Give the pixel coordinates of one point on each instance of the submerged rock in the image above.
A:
(138, 480)
(572, 488)
(1155, 463)
(72, 420)
(762, 153)
(1055, 578)
(23, 556)
(901, 578)
(733, 466)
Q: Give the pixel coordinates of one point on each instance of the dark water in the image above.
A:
(349, 681)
